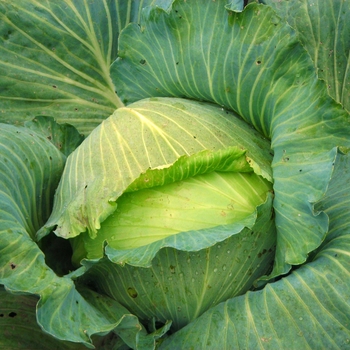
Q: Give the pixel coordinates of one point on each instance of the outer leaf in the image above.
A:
(65, 137)
(323, 27)
(19, 329)
(252, 63)
(149, 135)
(309, 309)
(30, 168)
(55, 58)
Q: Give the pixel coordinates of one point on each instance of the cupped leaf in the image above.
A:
(309, 309)
(323, 27)
(252, 63)
(188, 273)
(30, 169)
(148, 135)
(55, 58)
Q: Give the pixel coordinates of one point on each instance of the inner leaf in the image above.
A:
(203, 201)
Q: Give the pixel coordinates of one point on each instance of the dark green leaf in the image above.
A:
(65, 137)
(55, 58)
(323, 27)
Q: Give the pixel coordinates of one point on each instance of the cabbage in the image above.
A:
(199, 197)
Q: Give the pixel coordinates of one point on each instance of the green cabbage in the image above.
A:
(206, 205)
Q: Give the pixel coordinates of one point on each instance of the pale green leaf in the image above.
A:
(188, 215)
(200, 202)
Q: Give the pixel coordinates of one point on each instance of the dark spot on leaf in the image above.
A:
(49, 138)
(12, 314)
(194, 136)
(258, 62)
(85, 187)
(132, 292)
(54, 86)
(262, 253)
(7, 35)
(13, 266)
(300, 170)
(77, 302)
(1, 315)
(143, 62)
